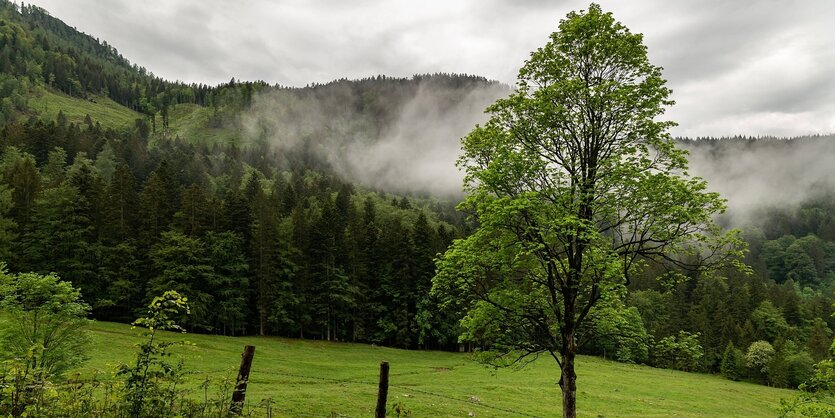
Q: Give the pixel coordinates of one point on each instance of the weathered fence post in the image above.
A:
(239, 393)
(382, 391)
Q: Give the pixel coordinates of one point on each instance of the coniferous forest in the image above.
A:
(274, 240)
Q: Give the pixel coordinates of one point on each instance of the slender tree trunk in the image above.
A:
(568, 377)
(328, 330)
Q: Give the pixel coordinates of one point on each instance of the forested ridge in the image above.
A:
(273, 240)
(261, 241)
(291, 252)
(40, 50)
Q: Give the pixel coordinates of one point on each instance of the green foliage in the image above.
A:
(759, 356)
(45, 321)
(565, 205)
(817, 397)
(800, 368)
(680, 352)
(43, 335)
(733, 363)
(769, 321)
(151, 383)
(819, 340)
(619, 331)
(818, 390)
(807, 260)
(22, 387)
(799, 264)
(7, 224)
(182, 264)
(228, 281)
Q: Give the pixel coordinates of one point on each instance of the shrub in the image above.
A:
(801, 367)
(620, 332)
(681, 352)
(759, 355)
(151, 384)
(45, 322)
(42, 337)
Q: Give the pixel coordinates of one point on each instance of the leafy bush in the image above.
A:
(800, 367)
(759, 356)
(151, 383)
(817, 396)
(45, 322)
(42, 337)
(30, 382)
(619, 332)
(681, 352)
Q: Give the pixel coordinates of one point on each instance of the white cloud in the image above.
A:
(755, 67)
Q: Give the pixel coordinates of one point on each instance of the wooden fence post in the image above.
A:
(382, 391)
(239, 393)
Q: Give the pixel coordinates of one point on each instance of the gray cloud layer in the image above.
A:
(744, 67)
(766, 174)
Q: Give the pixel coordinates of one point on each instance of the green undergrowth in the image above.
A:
(320, 378)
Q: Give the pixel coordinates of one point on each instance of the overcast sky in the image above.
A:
(736, 67)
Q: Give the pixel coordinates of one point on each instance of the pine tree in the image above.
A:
(228, 281)
(193, 218)
(122, 205)
(181, 263)
(733, 363)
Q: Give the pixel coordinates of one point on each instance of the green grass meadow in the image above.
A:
(316, 378)
(192, 121)
(102, 109)
(185, 120)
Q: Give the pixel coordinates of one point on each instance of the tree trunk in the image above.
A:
(568, 377)
(568, 384)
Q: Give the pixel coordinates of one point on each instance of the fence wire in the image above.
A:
(271, 409)
(405, 387)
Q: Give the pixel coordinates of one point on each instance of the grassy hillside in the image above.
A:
(47, 104)
(192, 122)
(310, 377)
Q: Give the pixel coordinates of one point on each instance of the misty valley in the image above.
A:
(327, 227)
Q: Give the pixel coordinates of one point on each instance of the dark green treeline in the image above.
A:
(281, 250)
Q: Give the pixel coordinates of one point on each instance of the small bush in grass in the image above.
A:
(681, 352)
(152, 384)
(41, 337)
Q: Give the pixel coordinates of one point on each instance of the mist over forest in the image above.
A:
(754, 174)
(393, 134)
(336, 212)
(407, 139)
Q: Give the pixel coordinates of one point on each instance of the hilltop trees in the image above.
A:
(574, 182)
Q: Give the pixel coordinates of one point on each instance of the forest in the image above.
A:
(271, 240)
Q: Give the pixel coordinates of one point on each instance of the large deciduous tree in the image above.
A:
(574, 182)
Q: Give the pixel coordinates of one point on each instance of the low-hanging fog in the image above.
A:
(767, 173)
(404, 136)
(395, 134)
